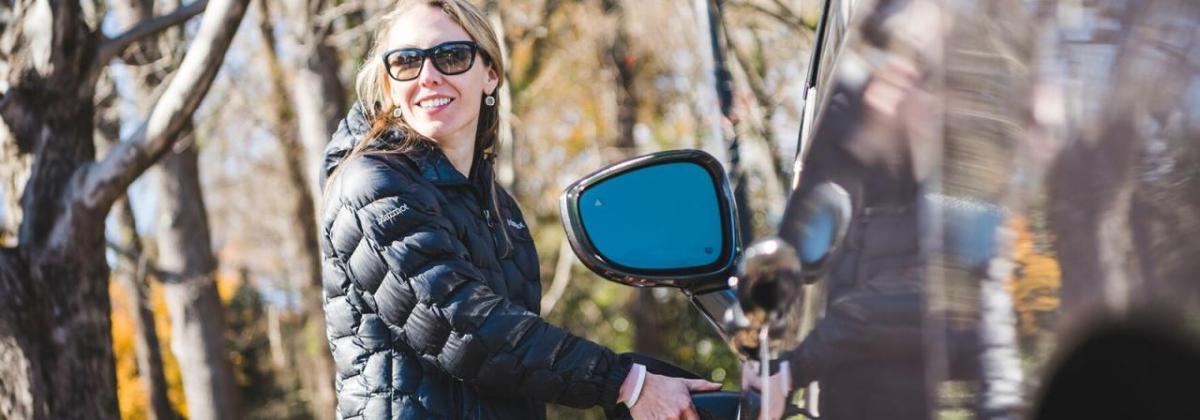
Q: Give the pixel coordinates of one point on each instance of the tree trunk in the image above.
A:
(319, 99)
(131, 274)
(624, 63)
(13, 175)
(1089, 210)
(317, 93)
(55, 331)
(1092, 183)
(56, 353)
(198, 329)
(131, 270)
(318, 373)
(275, 339)
(319, 104)
(189, 284)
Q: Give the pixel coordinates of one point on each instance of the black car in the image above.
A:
(993, 215)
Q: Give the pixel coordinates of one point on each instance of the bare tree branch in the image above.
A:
(531, 72)
(785, 16)
(755, 80)
(562, 276)
(104, 181)
(142, 261)
(766, 100)
(355, 35)
(787, 10)
(326, 18)
(114, 46)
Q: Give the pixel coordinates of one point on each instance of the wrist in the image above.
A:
(631, 388)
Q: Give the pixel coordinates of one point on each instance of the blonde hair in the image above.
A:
(372, 79)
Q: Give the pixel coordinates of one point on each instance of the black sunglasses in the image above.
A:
(450, 58)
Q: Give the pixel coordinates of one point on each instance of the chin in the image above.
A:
(433, 134)
(428, 129)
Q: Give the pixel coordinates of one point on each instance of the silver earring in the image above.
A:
(396, 113)
(489, 100)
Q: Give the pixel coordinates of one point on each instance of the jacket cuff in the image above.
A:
(612, 383)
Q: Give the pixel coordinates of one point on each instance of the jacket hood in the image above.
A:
(353, 127)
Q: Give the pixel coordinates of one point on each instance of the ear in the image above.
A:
(493, 80)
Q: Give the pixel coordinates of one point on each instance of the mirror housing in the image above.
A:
(664, 219)
(815, 225)
(769, 288)
(775, 275)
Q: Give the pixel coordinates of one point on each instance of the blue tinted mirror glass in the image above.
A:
(814, 223)
(661, 217)
(817, 238)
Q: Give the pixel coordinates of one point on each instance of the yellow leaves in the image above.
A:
(227, 286)
(1035, 288)
(133, 397)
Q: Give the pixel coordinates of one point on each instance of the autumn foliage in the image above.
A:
(1037, 280)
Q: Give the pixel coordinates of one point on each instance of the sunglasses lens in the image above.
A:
(453, 59)
(450, 59)
(405, 64)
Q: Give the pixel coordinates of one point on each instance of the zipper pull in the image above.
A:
(487, 215)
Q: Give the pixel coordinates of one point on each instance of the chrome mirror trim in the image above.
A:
(690, 282)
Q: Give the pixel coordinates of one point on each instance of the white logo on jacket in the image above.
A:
(391, 214)
(515, 224)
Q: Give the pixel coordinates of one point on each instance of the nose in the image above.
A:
(430, 75)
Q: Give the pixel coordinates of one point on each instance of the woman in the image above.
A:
(431, 279)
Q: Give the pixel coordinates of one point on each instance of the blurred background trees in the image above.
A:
(219, 239)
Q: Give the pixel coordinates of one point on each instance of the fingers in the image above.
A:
(701, 385)
(689, 413)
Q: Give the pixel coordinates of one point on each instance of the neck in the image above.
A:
(461, 155)
(459, 148)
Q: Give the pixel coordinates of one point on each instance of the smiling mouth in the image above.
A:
(435, 103)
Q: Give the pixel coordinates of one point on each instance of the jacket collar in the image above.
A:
(428, 159)
(436, 167)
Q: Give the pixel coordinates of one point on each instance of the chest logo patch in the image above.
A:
(391, 214)
(516, 225)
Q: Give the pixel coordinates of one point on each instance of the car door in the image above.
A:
(1051, 153)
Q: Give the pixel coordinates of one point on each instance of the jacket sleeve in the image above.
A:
(415, 274)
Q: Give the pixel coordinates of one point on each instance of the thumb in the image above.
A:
(702, 385)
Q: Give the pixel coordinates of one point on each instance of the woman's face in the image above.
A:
(423, 101)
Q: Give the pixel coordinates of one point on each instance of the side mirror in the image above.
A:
(664, 219)
(773, 272)
(815, 224)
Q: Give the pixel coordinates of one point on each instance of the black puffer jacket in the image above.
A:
(427, 316)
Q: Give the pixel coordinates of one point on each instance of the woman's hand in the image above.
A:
(664, 397)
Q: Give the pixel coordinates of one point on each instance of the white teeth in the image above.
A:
(433, 103)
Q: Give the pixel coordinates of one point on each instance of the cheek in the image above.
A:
(397, 93)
